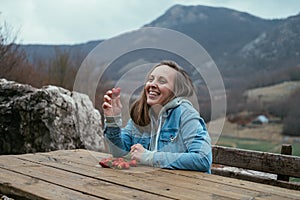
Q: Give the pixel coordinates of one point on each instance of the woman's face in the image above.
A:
(160, 84)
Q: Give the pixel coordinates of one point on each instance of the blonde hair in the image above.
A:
(183, 87)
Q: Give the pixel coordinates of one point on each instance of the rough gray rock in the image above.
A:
(46, 119)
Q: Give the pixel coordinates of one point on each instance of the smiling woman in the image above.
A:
(164, 131)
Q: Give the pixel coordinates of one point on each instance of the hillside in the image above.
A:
(273, 93)
(272, 48)
(221, 31)
(47, 52)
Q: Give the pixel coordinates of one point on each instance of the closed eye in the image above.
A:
(150, 79)
(162, 80)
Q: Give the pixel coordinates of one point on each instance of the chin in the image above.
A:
(151, 103)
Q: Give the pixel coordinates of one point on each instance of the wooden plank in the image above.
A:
(73, 181)
(85, 161)
(257, 179)
(259, 161)
(286, 149)
(137, 179)
(12, 183)
(281, 193)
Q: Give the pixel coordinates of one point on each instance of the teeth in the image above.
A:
(153, 93)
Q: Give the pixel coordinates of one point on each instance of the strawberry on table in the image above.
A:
(105, 162)
(118, 163)
(132, 163)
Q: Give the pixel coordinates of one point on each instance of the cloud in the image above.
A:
(73, 21)
(76, 21)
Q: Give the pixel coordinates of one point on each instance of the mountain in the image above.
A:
(238, 42)
(277, 47)
(220, 31)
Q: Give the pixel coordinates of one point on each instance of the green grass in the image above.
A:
(296, 149)
(292, 179)
(256, 145)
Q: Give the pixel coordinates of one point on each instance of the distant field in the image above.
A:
(274, 92)
(256, 144)
(267, 137)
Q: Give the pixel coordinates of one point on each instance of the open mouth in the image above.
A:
(153, 94)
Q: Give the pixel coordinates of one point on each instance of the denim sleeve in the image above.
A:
(119, 139)
(198, 154)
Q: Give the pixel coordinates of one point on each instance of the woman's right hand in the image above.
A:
(112, 104)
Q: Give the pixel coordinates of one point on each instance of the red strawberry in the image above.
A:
(133, 163)
(123, 165)
(116, 92)
(104, 163)
(120, 166)
(118, 163)
(126, 165)
(115, 163)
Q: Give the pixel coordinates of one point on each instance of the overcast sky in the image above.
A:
(79, 21)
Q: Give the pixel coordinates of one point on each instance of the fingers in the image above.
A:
(106, 105)
(109, 93)
(136, 151)
(112, 102)
(116, 97)
(112, 98)
(137, 148)
(134, 147)
(135, 154)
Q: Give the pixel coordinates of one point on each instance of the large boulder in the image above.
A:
(46, 119)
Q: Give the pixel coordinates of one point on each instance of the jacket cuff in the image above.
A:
(113, 121)
(147, 158)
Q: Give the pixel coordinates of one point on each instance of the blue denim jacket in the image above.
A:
(183, 141)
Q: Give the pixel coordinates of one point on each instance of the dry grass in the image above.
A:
(270, 131)
(273, 93)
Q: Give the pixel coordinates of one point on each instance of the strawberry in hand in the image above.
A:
(112, 104)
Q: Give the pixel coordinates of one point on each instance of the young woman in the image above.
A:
(165, 130)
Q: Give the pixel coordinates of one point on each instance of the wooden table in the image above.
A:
(75, 174)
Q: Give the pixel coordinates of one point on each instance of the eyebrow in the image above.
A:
(159, 77)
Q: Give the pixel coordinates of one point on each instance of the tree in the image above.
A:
(11, 57)
(291, 123)
(13, 60)
(61, 70)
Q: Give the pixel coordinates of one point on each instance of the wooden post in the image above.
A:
(286, 149)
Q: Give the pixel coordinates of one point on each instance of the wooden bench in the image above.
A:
(281, 166)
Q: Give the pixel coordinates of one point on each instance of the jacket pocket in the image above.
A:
(168, 135)
(168, 140)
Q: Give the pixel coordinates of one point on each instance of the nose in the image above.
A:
(152, 84)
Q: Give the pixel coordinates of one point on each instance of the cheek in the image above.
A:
(146, 87)
(169, 87)
(166, 90)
